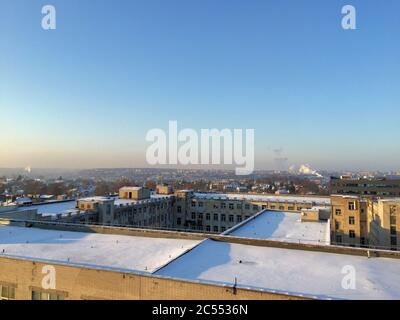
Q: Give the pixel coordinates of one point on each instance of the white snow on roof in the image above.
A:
(271, 198)
(284, 226)
(308, 273)
(97, 250)
(53, 208)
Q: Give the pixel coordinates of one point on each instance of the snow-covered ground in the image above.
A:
(314, 274)
(284, 226)
(98, 250)
(272, 198)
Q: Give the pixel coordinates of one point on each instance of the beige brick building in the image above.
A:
(358, 221)
(384, 223)
(349, 220)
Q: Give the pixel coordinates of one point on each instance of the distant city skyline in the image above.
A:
(85, 95)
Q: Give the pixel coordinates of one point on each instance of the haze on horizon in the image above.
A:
(85, 95)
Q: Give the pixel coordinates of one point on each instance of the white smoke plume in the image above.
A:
(304, 169)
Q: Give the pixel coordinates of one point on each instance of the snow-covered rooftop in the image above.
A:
(308, 273)
(283, 226)
(271, 198)
(115, 252)
(52, 208)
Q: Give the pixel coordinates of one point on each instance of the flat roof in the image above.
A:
(285, 227)
(306, 273)
(115, 252)
(263, 197)
(53, 208)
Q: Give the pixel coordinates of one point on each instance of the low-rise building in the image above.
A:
(134, 193)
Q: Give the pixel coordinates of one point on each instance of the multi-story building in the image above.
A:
(211, 212)
(359, 221)
(349, 220)
(134, 207)
(384, 223)
(183, 210)
(50, 261)
(375, 187)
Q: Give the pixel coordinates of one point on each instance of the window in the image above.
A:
(223, 229)
(208, 216)
(352, 221)
(193, 203)
(200, 216)
(231, 206)
(239, 218)
(231, 218)
(215, 228)
(281, 208)
(239, 206)
(393, 241)
(338, 239)
(273, 207)
(208, 228)
(338, 212)
(290, 208)
(215, 216)
(39, 295)
(223, 205)
(247, 206)
(337, 225)
(393, 220)
(178, 221)
(179, 209)
(352, 205)
(200, 204)
(264, 206)
(352, 234)
(223, 217)
(7, 292)
(393, 231)
(193, 215)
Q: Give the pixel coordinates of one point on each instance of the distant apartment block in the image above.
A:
(375, 187)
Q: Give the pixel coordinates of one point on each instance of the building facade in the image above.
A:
(374, 187)
(349, 221)
(360, 221)
(384, 223)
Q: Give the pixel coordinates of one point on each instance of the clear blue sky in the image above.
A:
(86, 94)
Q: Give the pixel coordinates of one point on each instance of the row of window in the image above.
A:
(7, 292)
(39, 295)
(231, 206)
(352, 235)
(217, 217)
(208, 228)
